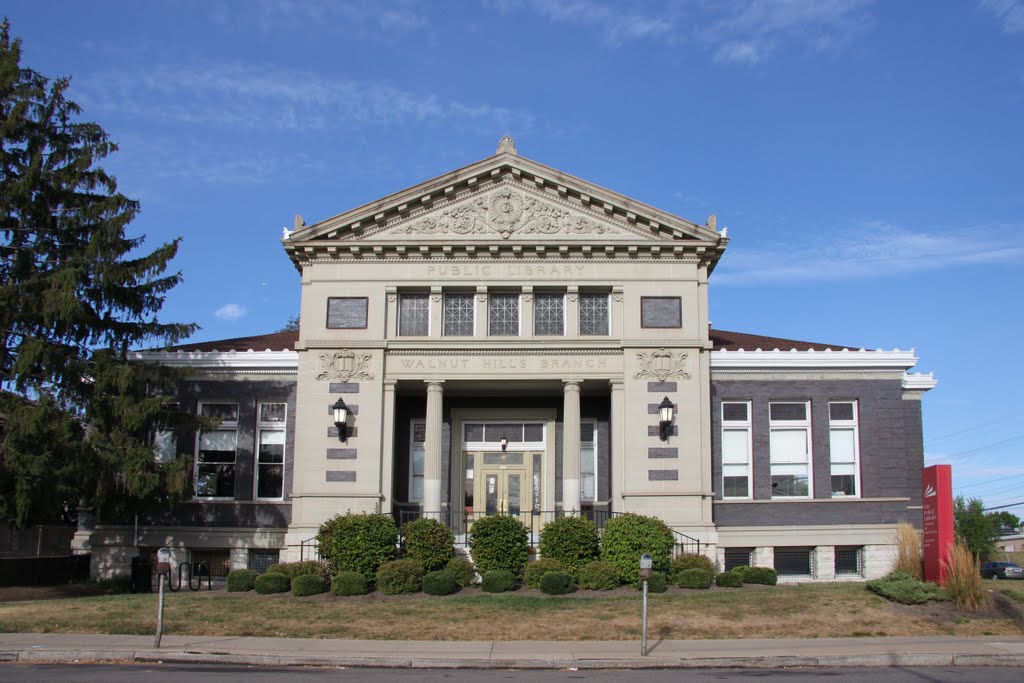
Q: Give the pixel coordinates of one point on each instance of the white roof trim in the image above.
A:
(919, 381)
(808, 360)
(230, 360)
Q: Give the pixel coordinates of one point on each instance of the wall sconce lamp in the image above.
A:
(504, 443)
(341, 419)
(666, 412)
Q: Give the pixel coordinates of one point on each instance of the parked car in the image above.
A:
(1001, 570)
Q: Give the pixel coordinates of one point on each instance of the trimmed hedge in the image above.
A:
(573, 541)
(499, 542)
(658, 583)
(694, 578)
(498, 581)
(293, 569)
(599, 576)
(762, 575)
(690, 561)
(729, 580)
(349, 583)
(241, 580)
(903, 588)
(439, 583)
(400, 576)
(308, 584)
(428, 542)
(535, 571)
(629, 536)
(461, 570)
(272, 582)
(557, 583)
(358, 543)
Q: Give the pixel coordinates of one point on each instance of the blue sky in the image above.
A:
(867, 157)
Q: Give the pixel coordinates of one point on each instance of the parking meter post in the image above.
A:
(163, 568)
(646, 569)
(643, 635)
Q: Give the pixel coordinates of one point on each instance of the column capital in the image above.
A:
(434, 384)
(571, 384)
(617, 384)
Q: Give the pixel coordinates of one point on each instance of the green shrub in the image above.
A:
(557, 583)
(428, 542)
(400, 576)
(729, 580)
(499, 542)
(241, 580)
(689, 561)
(762, 575)
(272, 582)
(901, 587)
(498, 581)
(358, 543)
(573, 541)
(293, 569)
(740, 571)
(629, 536)
(439, 583)
(461, 570)
(693, 578)
(308, 584)
(599, 576)
(658, 583)
(536, 570)
(349, 583)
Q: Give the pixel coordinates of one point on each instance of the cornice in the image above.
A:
(518, 351)
(919, 381)
(253, 361)
(760, 360)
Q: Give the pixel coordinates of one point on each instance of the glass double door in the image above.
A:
(503, 484)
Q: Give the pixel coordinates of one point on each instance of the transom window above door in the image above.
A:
(488, 435)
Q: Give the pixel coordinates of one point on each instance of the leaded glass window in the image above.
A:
(549, 313)
(413, 315)
(458, 314)
(503, 314)
(593, 313)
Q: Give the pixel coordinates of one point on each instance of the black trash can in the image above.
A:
(141, 575)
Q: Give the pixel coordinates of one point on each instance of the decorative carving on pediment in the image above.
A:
(662, 365)
(299, 222)
(345, 366)
(507, 144)
(507, 212)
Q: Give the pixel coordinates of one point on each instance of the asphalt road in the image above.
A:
(115, 673)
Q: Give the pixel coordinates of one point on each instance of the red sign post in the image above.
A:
(937, 496)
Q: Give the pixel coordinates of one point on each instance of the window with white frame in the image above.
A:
(503, 314)
(549, 313)
(594, 313)
(216, 451)
(165, 446)
(588, 461)
(483, 436)
(270, 431)
(790, 446)
(844, 448)
(458, 314)
(417, 456)
(736, 449)
(413, 314)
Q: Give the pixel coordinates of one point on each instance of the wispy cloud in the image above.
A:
(350, 16)
(876, 250)
(1010, 13)
(230, 312)
(255, 96)
(616, 23)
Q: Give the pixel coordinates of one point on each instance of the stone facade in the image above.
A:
(508, 300)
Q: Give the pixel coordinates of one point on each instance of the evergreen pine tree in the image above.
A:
(76, 294)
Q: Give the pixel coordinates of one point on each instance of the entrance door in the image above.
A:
(503, 484)
(502, 490)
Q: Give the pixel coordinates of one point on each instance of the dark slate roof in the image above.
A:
(723, 341)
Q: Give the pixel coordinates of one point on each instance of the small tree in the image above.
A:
(358, 543)
(629, 536)
(499, 543)
(976, 530)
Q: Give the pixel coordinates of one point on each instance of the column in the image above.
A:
(387, 448)
(571, 447)
(617, 443)
(432, 448)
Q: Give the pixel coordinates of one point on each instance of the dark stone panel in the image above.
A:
(226, 514)
(661, 387)
(661, 311)
(655, 430)
(341, 475)
(346, 313)
(343, 388)
(353, 408)
(662, 452)
(728, 514)
(653, 408)
(341, 454)
(350, 433)
(662, 475)
(889, 429)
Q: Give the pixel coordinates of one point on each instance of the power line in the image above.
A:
(1000, 507)
(990, 481)
(1012, 439)
(971, 429)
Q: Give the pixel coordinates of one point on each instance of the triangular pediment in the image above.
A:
(502, 200)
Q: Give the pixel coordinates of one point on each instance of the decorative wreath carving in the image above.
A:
(345, 366)
(662, 365)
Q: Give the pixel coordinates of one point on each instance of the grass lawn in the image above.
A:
(785, 611)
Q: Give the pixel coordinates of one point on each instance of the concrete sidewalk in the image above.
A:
(824, 652)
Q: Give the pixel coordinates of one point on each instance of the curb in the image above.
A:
(38, 656)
